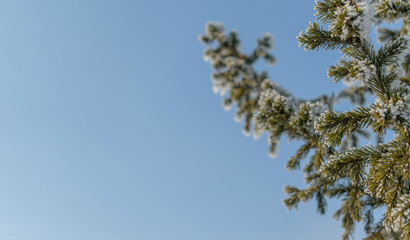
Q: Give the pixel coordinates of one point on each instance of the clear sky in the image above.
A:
(110, 130)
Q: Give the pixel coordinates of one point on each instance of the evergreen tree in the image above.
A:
(363, 177)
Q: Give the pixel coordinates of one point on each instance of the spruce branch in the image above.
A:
(364, 178)
(316, 37)
(333, 126)
(392, 10)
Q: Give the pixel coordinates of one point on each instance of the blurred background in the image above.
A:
(110, 130)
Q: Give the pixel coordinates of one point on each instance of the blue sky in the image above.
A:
(110, 129)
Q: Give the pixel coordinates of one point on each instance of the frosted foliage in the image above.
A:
(401, 213)
(388, 9)
(315, 110)
(365, 177)
(270, 97)
(269, 39)
(273, 141)
(270, 100)
(263, 49)
(364, 70)
(257, 132)
(214, 28)
(393, 109)
(330, 162)
(227, 105)
(266, 100)
(272, 105)
(403, 54)
(246, 132)
(402, 57)
(237, 117)
(396, 84)
(352, 17)
(219, 85)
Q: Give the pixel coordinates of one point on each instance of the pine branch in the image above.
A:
(333, 126)
(392, 10)
(364, 177)
(316, 37)
(350, 164)
(389, 54)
